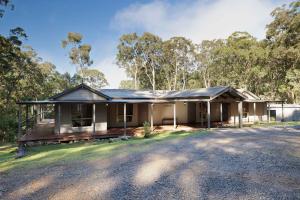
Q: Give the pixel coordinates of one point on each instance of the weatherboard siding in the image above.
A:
(81, 95)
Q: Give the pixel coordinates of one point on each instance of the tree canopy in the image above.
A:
(269, 67)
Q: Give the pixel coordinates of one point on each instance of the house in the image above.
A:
(83, 112)
(284, 112)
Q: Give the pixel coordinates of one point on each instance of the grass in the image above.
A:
(275, 123)
(40, 156)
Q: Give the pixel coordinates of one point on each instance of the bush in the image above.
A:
(8, 128)
(147, 129)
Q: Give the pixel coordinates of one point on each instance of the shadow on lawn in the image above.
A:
(38, 156)
(231, 165)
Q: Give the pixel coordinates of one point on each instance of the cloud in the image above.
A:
(197, 20)
(111, 71)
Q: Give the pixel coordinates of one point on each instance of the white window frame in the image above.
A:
(120, 116)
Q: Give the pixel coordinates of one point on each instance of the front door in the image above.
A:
(225, 109)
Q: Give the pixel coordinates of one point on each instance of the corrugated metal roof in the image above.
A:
(248, 94)
(162, 94)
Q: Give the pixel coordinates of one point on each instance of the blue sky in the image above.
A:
(103, 22)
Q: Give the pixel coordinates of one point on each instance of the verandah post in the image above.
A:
(125, 120)
(27, 116)
(254, 112)
(282, 113)
(201, 113)
(59, 116)
(221, 112)
(240, 109)
(208, 114)
(151, 116)
(94, 118)
(268, 108)
(20, 121)
(174, 115)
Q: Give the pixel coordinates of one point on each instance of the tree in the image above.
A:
(127, 84)
(150, 48)
(283, 44)
(79, 53)
(5, 4)
(93, 78)
(128, 56)
(179, 56)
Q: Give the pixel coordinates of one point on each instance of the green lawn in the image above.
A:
(39, 156)
(274, 123)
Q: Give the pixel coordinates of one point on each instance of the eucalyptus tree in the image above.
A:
(79, 53)
(5, 4)
(179, 57)
(150, 56)
(128, 56)
(93, 78)
(126, 84)
(283, 44)
(209, 62)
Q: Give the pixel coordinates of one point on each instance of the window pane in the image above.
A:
(129, 118)
(129, 112)
(129, 109)
(81, 114)
(120, 109)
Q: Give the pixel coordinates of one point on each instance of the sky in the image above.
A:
(102, 23)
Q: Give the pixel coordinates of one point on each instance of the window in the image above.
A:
(82, 115)
(273, 115)
(203, 111)
(245, 110)
(129, 112)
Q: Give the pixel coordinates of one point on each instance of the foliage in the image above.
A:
(92, 77)
(127, 84)
(128, 56)
(5, 4)
(79, 53)
(147, 129)
(8, 128)
(269, 68)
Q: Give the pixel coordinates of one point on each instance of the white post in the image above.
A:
(282, 114)
(38, 113)
(240, 109)
(269, 117)
(27, 117)
(42, 112)
(254, 112)
(59, 118)
(208, 114)
(94, 118)
(151, 116)
(221, 112)
(125, 119)
(20, 122)
(201, 113)
(174, 115)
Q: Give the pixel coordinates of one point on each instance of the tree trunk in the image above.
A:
(135, 79)
(175, 77)
(184, 81)
(153, 79)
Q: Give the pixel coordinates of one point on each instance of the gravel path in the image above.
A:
(227, 164)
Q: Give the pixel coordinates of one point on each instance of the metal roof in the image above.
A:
(127, 95)
(163, 94)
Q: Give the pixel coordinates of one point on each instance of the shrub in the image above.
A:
(8, 128)
(147, 129)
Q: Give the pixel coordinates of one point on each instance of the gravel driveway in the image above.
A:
(244, 163)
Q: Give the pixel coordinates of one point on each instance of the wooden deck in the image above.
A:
(44, 132)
